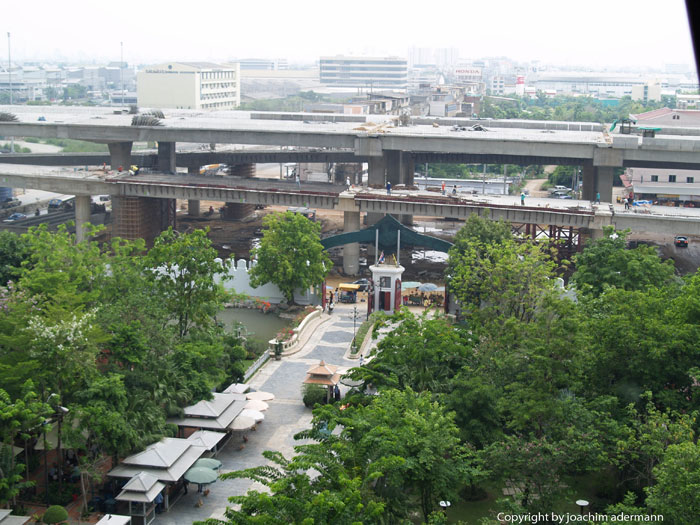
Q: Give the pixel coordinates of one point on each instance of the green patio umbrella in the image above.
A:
(201, 475)
(211, 463)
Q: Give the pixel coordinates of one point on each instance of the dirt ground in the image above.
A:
(234, 238)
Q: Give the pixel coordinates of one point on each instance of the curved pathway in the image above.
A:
(286, 416)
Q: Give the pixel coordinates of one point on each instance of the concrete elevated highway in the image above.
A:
(145, 204)
(153, 191)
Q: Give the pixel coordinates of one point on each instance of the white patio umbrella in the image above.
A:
(257, 416)
(260, 396)
(254, 404)
(242, 423)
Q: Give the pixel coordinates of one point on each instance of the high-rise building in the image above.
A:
(190, 85)
(364, 72)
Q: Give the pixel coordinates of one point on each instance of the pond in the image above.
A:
(259, 325)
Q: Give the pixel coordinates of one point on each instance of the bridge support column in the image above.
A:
(589, 182)
(119, 155)
(604, 182)
(393, 166)
(243, 170)
(166, 157)
(141, 217)
(377, 171)
(82, 216)
(233, 211)
(351, 252)
(193, 204)
(377, 178)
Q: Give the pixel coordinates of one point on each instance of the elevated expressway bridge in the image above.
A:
(561, 217)
(144, 204)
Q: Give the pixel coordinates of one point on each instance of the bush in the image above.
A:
(55, 514)
(314, 394)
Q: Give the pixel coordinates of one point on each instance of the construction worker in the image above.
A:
(443, 187)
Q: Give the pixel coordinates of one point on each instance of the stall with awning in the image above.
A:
(323, 374)
(212, 441)
(167, 460)
(216, 414)
(141, 491)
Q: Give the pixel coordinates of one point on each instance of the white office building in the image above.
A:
(190, 85)
(364, 72)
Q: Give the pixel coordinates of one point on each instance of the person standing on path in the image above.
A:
(627, 203)
(347, 182)
(296, 179)
(388, 187)
(597, 198)
(522, 198)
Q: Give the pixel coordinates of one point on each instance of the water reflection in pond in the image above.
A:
(262, 326)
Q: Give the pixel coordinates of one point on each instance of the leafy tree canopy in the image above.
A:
(290, 254)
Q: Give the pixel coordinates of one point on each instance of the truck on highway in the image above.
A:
(62, 203)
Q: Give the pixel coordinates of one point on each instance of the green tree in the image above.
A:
(420, 353)
(185, 268)
(644, 340)
(676, 492)
(409, 426)
(290, 254)
(647, 436)
(18, 419)
(500, 280)
(13, 252)
(607, 262)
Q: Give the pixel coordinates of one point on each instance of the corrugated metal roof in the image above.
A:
(206, 438)
(170, 474)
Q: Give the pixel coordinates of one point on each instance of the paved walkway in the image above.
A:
(286, 416)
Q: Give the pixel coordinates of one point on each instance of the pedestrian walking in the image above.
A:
(347, 182)
(296, 179)
(597, 197)
(522, 198)
(388, 187)
(362, 360)
(336, 393)
(627, 203)
(443, 187)
(454, 190)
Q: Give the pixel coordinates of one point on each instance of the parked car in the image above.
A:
(364, 284)
(15, 217)
(681, 241)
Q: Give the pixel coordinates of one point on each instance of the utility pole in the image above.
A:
(483, 181)
(9, 71)
(505, 190)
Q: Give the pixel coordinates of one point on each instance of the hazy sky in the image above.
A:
(595, 32)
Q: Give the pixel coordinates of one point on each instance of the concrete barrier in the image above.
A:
(293, 344)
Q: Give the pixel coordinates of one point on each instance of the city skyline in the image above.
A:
(601, 35)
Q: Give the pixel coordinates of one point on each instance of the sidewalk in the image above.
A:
(286, 416)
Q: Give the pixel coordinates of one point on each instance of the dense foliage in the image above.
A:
(567, 108)
(551, 397)
(290, 254)
(120, 336)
